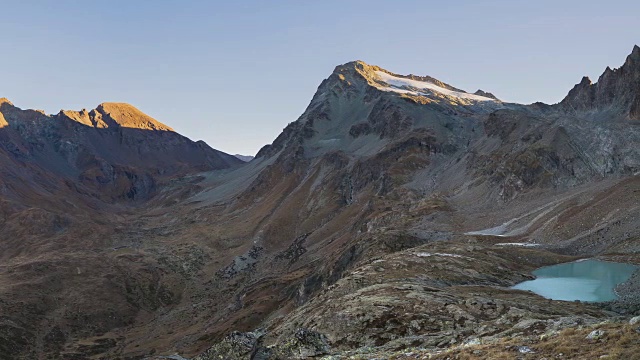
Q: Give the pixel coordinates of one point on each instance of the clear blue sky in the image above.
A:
(234, 73)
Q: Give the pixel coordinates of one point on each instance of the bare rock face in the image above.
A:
(485, 94)
(383, 167)
(617, 89)
(303, 344)
(236, 346)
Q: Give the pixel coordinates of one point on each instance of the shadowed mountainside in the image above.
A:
(66, 181)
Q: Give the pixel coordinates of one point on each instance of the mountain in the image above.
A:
(394, 213)
(616, 90)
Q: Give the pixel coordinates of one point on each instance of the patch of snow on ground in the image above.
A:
(503, 230)
(495, 231)
(328, 141)
(426, 254)
(397, 83)
(517, 244)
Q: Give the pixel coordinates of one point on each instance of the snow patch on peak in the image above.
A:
(409, 86)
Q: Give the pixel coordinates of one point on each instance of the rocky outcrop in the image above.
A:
(237, 346)
(304, 344)
(485, 94)
(127, 116)
(354, 103)
(368, 163)
(616, 89)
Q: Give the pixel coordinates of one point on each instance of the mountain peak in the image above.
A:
(5, 101)
(634, 57)
(129, 116)
(407, 85)
(586, 81)
(376, 76)
(615, 88)
(486, 94)
(354, 67)
(118, 105)
(355, 63)
(374, 91)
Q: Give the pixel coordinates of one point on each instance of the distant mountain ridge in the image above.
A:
(382, 168)
(95, 145)
(245, 158)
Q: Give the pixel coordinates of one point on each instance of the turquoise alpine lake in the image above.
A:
(586, 280)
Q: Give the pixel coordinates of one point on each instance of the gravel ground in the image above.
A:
(629, 296)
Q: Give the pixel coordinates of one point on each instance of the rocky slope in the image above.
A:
(245, 158)
(66, 183)
(379, 219)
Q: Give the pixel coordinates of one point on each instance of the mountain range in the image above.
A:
(393, 214)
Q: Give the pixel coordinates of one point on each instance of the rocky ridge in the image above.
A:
(617, 89)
